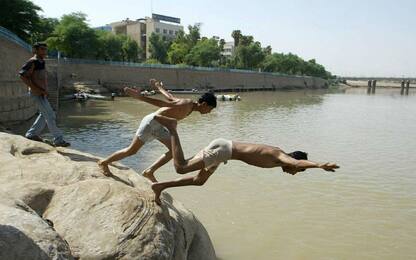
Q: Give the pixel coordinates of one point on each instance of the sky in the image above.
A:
(366, 38)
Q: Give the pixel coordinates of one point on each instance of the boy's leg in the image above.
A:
(135, 145)
(166, 157)
(199, 180)
(182, 166)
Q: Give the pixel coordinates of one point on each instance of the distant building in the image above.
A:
(140, 30)
(228, 49)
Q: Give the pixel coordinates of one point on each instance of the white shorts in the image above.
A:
(150, 129)
(217, 152)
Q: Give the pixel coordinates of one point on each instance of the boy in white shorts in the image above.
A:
(220, 151)
(150, 129)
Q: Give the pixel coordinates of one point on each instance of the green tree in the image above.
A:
(205, 53)
(248, 56)
(110, 46)
(74, 37)
(131, 50)
(294, 65)
(236, 34)
(177, 52)
(194, 35)
(159, 47)
(43, 29)
(20, 17)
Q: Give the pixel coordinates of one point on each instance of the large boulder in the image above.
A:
(25, 235)
(99, 217)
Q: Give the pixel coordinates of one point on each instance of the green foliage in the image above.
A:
(194, 35)
(20, 17)
(248, 54)
(110, 46)
(131, 50)
(236, 34)
(205, 53)
(177, 52)
(152, 61)
(43, 29)
(159, 47)
(293, 64)
(74, 37)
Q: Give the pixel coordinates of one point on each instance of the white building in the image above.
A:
(140, 30)
(228, 49)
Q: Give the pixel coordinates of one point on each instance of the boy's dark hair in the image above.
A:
(208, 98)
(298, 155)
(38, 45)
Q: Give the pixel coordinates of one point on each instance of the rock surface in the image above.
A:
(93, 216)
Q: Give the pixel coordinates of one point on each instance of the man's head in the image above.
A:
(207, 102)
(298, 155)
(40, 49)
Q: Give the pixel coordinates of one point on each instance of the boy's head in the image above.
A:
(40, 49)
(298, 155)
(207, 102)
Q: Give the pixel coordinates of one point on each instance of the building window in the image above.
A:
(157, 30)
(165, 31)
(170, 32)
(176, 32)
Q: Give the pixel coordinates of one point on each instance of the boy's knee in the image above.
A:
(180, 169)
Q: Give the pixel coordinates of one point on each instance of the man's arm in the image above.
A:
(25, 73)
(159, 87)
(306, 164)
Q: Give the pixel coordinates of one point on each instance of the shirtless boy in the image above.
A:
(150, 129)
(221, 150)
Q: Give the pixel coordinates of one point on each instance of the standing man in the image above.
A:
(34, 75)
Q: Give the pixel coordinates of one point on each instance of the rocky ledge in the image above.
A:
(55, 204)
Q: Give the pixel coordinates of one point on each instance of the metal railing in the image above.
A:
(168, 66)
(14, 38)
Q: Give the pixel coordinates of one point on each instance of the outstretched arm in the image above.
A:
(136, 93)
(306, 164)
(159, 87)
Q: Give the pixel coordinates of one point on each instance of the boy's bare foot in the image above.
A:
(170, 123)
(104, 168)
(157, 190)
(149, 175)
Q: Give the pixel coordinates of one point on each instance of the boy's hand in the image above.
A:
(329, 167)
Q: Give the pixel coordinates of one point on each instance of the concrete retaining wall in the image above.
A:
(15, 105)
(179, 78)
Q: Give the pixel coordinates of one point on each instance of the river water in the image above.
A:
(366, 210)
